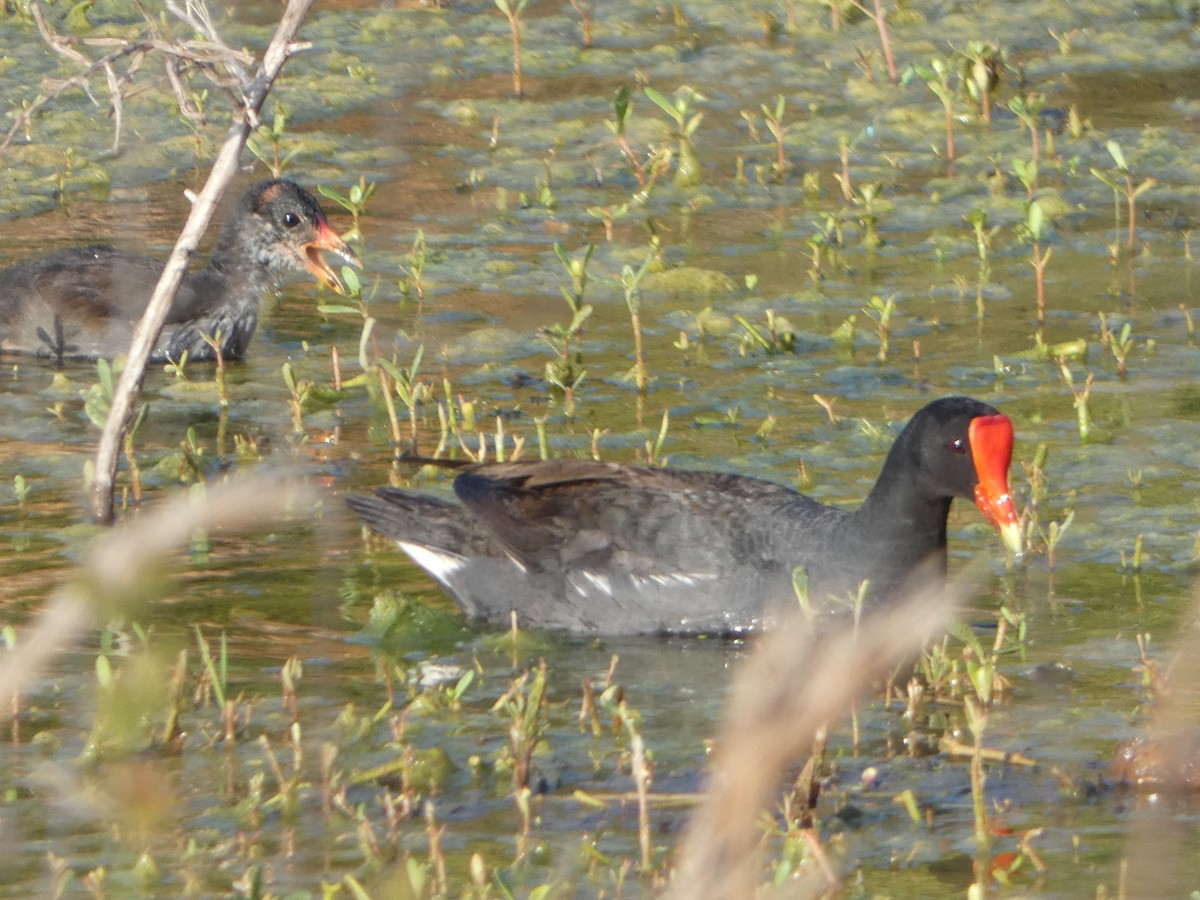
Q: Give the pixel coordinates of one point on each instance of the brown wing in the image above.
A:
(573, 515)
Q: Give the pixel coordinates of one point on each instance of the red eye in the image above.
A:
(958, 446)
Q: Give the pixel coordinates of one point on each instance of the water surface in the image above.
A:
(411, 99)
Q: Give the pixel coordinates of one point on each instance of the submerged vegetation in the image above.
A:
(776, 234)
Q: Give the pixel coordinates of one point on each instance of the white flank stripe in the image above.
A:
(596, 580)
(438, 563)
(681, 579)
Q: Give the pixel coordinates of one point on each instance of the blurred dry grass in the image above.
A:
(795, 681)
(123, 560)
(1161, 833)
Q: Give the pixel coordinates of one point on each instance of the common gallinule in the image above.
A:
(602, 547)
(82, 302)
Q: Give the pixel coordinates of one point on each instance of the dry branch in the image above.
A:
(254, 93)
(209, 56)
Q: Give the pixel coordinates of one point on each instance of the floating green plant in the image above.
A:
(867, 215)
(881, 311)
(1028, 109)
(354, 201)
(843, 336)
(512, 10)
(777, 337)
(688, 172)
(618, 125)
(1035, 224)
(937, 78)
(631, 285)
(273, 156)
(1119, 343)
(878, 15)
(1122, 183)
(1081, 398)
(406, 384)
(97, 399)
(565, 372)
(977, 218)
(773, 116)
(20, 489)
(413, 282)
(982, 63)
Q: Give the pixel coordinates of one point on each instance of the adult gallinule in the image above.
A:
(601, 547)
(82, 302)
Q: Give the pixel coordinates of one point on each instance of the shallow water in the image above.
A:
(408, 98)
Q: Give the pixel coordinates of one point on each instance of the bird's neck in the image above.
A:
(234, 274)
(901, 511)
(235, 252)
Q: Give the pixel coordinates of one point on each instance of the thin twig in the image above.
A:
(118, 106)
(206, 56)
(197, 16)
(57, 43)
(878, 16)
(56, 89)
(954, 747)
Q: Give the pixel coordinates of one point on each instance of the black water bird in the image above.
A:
(601, 547)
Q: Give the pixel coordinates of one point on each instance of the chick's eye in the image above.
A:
(957, 446)
(291, 220)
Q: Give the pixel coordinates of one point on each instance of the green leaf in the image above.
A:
(417, 873)
(394, 371)
(908, 801)
(581, 316)
(1118, 155)
(145, 410)
(562, 256)
(1035, 219)
(364, 342)
(77, 20)
(621, 106)
(662, 103)
(104, 674)
(1107, 179)
(333, 195)
(462, 684)
(104, 373)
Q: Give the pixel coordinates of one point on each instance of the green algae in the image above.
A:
(690, 281)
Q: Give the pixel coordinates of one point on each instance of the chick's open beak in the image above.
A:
(328, 239)
(991, 440)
